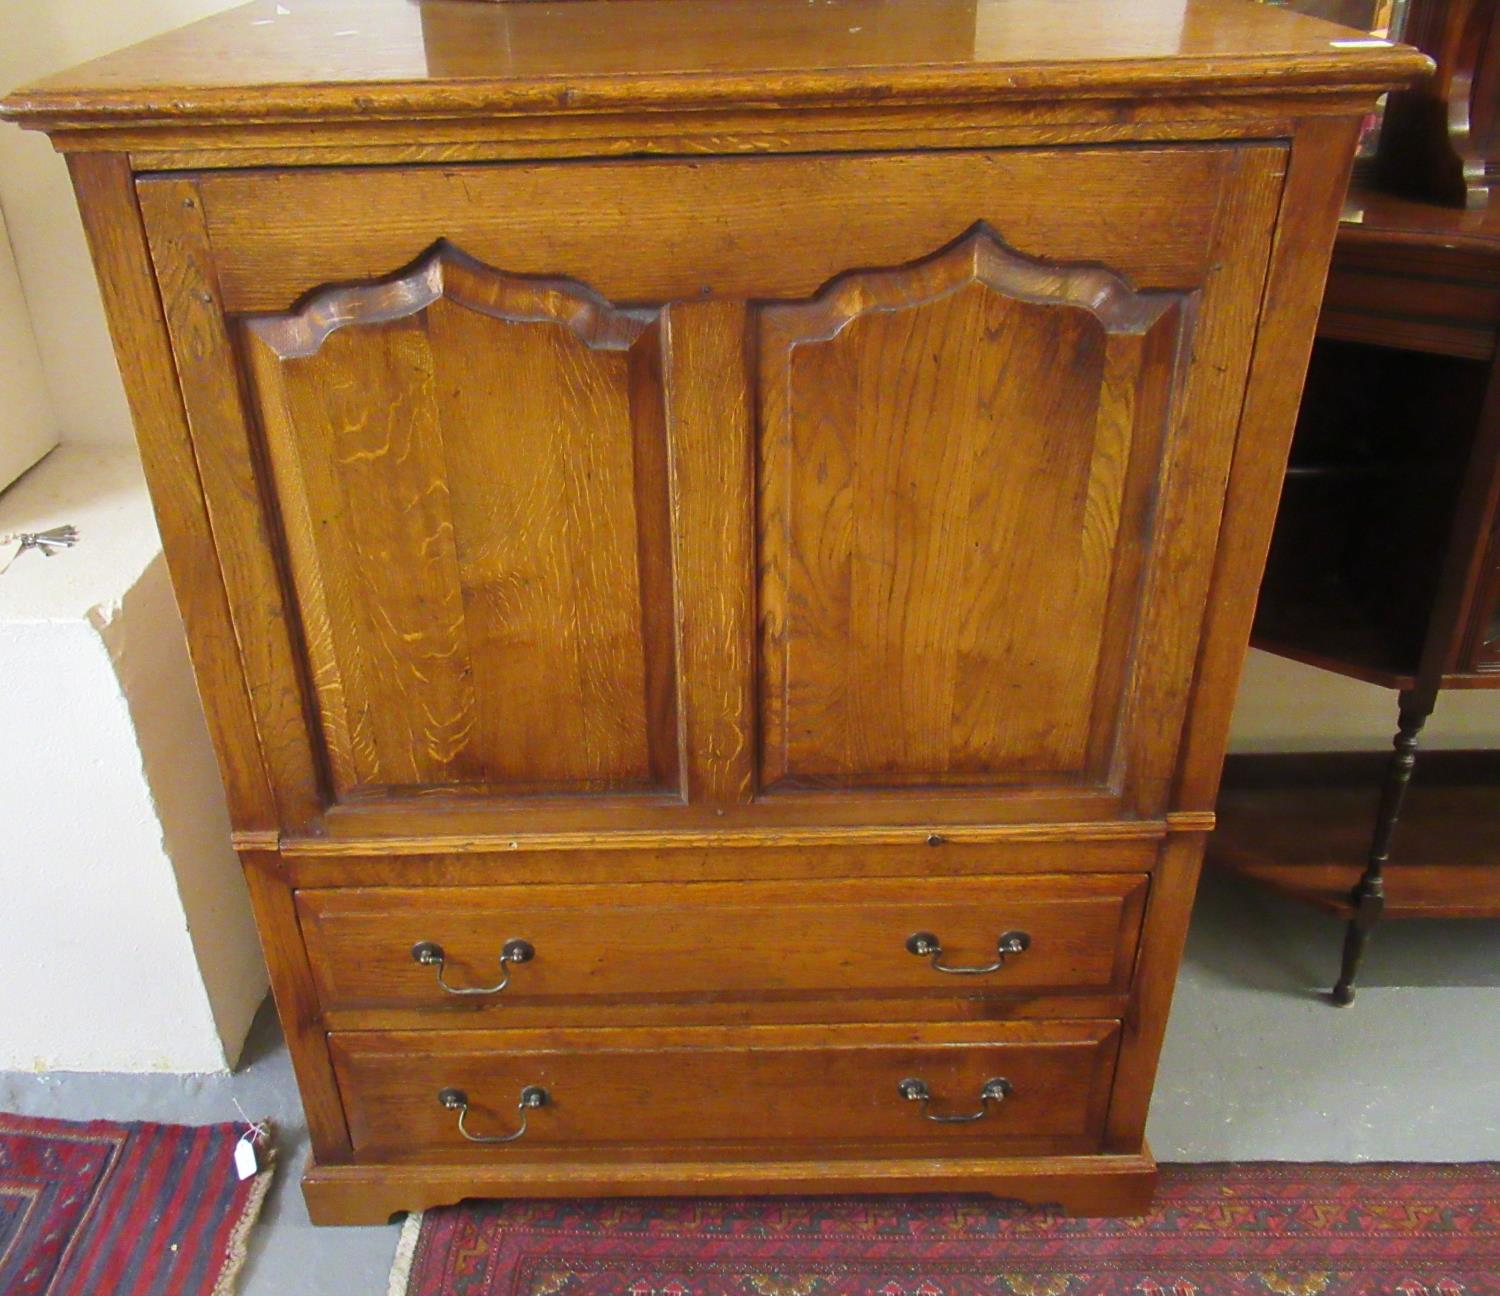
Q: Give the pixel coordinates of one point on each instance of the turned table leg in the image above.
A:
(1368, 896)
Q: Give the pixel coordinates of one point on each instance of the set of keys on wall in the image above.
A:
(46, 543)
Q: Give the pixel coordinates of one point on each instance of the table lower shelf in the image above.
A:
(1301, 826)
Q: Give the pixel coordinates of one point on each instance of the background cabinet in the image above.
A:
(1385, 565)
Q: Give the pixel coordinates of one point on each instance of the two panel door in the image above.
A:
(883, 480)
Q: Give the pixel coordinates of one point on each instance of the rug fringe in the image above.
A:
(239, 1236)
(406, 1252)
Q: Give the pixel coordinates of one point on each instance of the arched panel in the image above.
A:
(957, 465)
(470, 470)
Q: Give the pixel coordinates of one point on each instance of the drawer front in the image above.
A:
(715, 942)
(705, 1092)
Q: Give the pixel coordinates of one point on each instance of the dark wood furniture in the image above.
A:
(1300, 825)
(1385, 564)
(1440, 139)
(718, 539)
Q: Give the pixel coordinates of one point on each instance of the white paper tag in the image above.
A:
(246, 1159)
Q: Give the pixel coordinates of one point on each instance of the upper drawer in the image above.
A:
(718, 942)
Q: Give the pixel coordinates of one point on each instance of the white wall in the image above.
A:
(38, 37)
(27, 428)
(1286, 706)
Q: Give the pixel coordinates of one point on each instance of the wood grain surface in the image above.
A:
(949, 454)
(718, 1093)
(717, 942)
(349, 59)
(467, 548)
(655, 230)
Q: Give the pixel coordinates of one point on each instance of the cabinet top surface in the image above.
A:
(322, 59)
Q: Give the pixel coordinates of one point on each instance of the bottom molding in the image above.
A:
(1081, 1185)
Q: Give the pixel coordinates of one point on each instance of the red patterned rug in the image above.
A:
(1268, 1229)
(105, 1209)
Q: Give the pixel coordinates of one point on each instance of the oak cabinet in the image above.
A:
(718, 613)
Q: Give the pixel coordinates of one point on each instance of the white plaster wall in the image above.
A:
(27, 429)
(126, 942)
(1286, 706)
(38, 37)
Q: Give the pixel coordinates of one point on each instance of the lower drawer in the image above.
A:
(762, 1092)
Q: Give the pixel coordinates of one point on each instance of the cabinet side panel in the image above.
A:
(1177, 593)
(239, 504)
(117, 241)
(1322, 156)
(296, 1000)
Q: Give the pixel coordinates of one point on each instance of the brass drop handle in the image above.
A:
(430, 954)
(926, 945)
(996, 1090)
(532, 1097)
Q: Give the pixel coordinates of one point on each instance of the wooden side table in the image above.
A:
(1385, 560)
(1385, 567)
